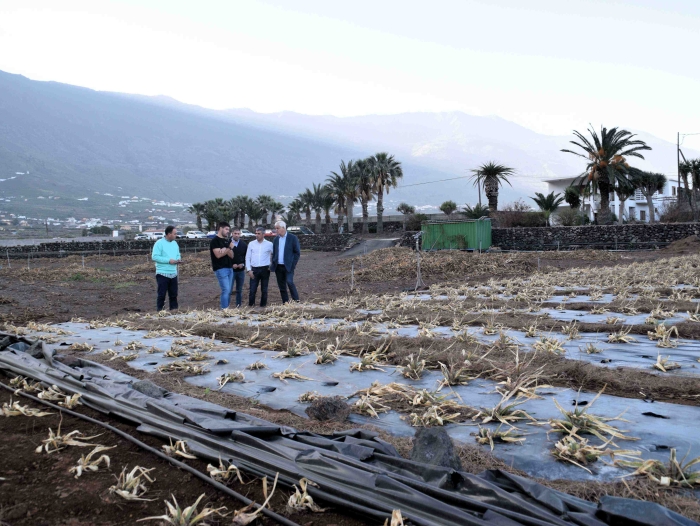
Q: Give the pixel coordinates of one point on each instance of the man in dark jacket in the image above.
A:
(285, 256)
(239, 248)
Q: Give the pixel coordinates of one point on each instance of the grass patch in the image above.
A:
(125, 285)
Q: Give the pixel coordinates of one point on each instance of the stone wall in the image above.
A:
(323, 242)
(607, 237)
(592, 236)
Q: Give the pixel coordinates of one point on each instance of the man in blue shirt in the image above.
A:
(286, 252)
(166, 254)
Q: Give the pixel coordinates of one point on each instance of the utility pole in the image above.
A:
(678, 165)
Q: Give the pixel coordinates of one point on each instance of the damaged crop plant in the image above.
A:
(508, 360)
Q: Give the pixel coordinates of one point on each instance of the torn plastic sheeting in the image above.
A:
(375, 486)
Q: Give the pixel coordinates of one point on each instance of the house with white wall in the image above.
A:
(635, 207)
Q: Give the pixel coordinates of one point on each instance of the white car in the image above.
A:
(195, 234)
(155, 235)
(140, 237)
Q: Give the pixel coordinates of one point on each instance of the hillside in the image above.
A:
(91, 148)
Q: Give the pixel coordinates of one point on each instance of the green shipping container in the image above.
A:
(456, 235)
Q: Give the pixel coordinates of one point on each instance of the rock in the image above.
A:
(329, 408)
(432, 445)
(149, 389)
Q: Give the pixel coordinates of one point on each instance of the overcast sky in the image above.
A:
(550, 65)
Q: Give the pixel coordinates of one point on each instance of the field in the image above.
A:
(579, 369)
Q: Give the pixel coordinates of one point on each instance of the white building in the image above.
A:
(635, 207)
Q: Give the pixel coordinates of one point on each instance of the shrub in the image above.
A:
(568, 217)
(516, 206)
(448, 207)
(675, 212)
(512, 219)
(414, 221)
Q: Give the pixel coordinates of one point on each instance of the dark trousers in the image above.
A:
(286, 280)
(260, 275)
(237, 282)
(169, 286)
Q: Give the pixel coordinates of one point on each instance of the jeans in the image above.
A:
(260, 275)
(169, 286)
(224, 275)
(286, 280)
(238, 281)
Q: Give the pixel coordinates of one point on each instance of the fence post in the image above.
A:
(352, 276)
(83, 260)
(8, 258)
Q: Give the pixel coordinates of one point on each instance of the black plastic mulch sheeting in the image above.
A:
(354, 470)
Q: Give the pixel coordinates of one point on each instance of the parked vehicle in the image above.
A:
(211, 234)
(269, 234)
(155, 235)
(179, 234)
(247, 235)
(196, 234)
(140, 237)
(300, 231)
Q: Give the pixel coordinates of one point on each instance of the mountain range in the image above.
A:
(58, 140)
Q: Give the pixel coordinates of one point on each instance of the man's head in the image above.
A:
(236, 234)
(223, 229)
(281, 228)
(260, 234)
(170, 233)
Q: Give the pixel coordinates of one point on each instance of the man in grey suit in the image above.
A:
(286, 252)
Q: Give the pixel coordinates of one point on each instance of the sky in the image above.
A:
(549, 65)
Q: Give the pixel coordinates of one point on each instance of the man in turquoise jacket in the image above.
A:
(166, 254)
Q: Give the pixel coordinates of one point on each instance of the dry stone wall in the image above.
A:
(608, 237)
(323, 242)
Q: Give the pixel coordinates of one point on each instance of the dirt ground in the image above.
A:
(56, 290)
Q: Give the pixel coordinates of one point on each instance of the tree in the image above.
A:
(337, 186)
(548, 203)
(649, 183)
(448, 207)
(692, 168)
(476, 212)
(327, 203)
(605, 155)
(572, 196)
(306, 199)
(256, 213)
(385, 175)
(318, 192)
(276, 208)
(294, 210)
(245, 204)
(197, 210)
(215, 211)
(492, 176)
(406, 210)
(365, 188)
(266, 203)
(624, 189)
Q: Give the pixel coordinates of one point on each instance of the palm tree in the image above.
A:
(624, 189)
(245, 204)
(327, 203)
(691, 168)
(448, 207)
(317, 204)
(215, 211)
(548, 203)
(197, 210)
(406, 210)
(572, 196)
(475, 212)
(266, 204)
(306, 198)
(276, 209)
(256, 213)
(365, 188)
(649, 183)
(338, 186)
(492, 176)
(386, 174)
(605, 156)
(294, 210)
